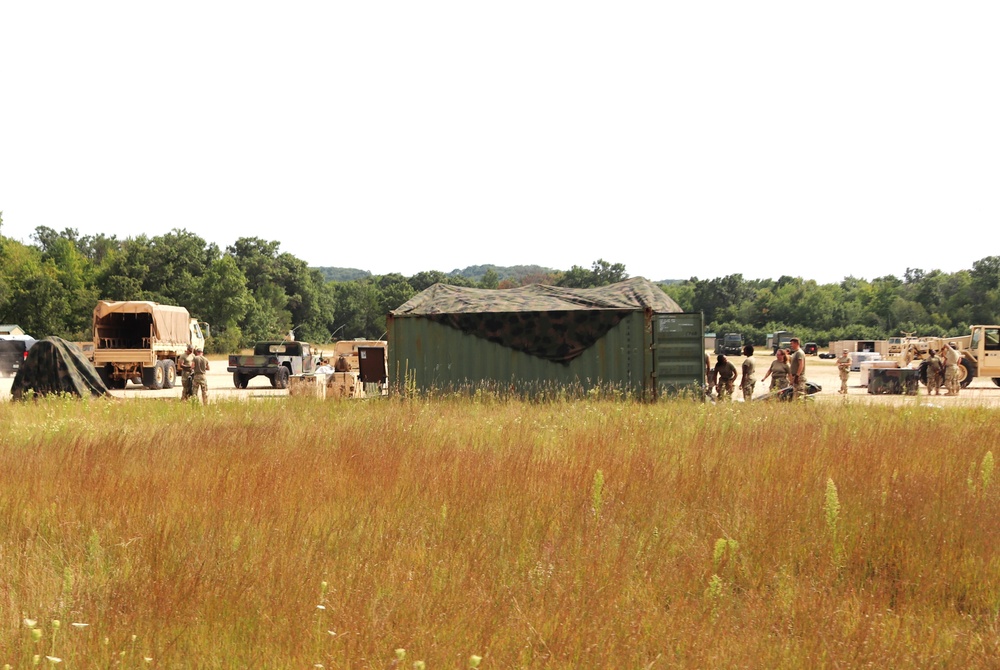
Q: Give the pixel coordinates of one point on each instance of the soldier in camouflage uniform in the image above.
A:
(186, 364)
(198, 379)
(951, 357)
(709, 376)
(934, 365)
(749, 378)
(779, 369)
(725, 374)
(844, 368)
(798, 370)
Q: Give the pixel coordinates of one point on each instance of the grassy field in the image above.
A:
(296, 533)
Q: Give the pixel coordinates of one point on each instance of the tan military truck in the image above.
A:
(980, 353)
(141, 341)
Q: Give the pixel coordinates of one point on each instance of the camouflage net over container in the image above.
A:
(56, 366)
(554, 323)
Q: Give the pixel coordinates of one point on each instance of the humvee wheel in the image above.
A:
(280, 378)
(239, 381)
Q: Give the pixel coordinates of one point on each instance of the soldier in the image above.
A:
(844, 368)
(198, 381)
(934, 365)
(749, 378)
(951, 357)
(797, 374)
(709, 376)
(779, 369)
(725, 374)
(342, 364)
(186, 364)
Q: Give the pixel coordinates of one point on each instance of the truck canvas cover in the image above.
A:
(56, 366)
(550, 322)
(170, 323)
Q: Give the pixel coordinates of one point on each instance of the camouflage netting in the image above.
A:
(550, 322)
(56, 366)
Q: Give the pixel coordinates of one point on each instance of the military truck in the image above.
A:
(779, 339)
(980, 351)
(141, 341)
(730, 345)
(277, 360)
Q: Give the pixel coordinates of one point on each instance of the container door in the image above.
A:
(371, 365)
(679, 353)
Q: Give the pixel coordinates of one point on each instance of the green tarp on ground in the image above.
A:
(54, 365)
(550, 322)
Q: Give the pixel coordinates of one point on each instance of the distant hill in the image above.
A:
(473, 272)
(343, 274)
(515, 272)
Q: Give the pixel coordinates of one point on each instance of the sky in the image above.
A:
(680, 139)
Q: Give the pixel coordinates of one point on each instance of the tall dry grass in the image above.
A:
(559, 535)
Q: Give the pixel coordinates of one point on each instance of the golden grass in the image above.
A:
(557, 535)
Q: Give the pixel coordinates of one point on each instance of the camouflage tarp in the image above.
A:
(629, 295)
(56, 366)
(550, 322)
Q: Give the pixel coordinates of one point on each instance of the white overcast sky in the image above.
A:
(676, 138)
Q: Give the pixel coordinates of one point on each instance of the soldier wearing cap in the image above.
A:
(797, 374)
(186, 364)
(951, 357)
(934, 365)
(844, 368)
(198, 378)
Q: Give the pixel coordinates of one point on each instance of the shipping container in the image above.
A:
(623, 346)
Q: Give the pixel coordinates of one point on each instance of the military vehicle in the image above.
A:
(779, 339)
(730, 345)
(362, 371)
(980, 351)
(141, 341)
(13, 352)
(277, 360)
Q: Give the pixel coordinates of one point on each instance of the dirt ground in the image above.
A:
(982, 391)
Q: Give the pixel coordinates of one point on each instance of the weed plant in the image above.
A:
(562, 534)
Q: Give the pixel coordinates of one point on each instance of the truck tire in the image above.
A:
(240, 381)
(996, 380)
(280, 378)
(170, 376)
(152, 376)
(966, 372)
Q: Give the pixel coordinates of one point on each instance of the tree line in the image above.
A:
(932, 303)
(252, 291)
(249, 291)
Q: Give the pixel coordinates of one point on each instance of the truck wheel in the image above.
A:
(966, 372)
(239, 381)
(152, 377)
(170, 374)
(996, 380)
(280, 378)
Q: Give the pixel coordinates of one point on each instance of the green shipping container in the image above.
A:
(443, 343)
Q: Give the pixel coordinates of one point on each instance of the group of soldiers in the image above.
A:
(789, 369)
(194, 368)
(786, 370)
(944, 362)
